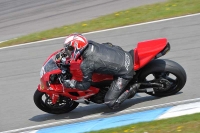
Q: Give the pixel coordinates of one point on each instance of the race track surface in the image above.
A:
(20, 17)
(20, 67)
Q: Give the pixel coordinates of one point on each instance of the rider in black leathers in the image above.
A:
(106, 59)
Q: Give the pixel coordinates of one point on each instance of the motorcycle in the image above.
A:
(157, 77)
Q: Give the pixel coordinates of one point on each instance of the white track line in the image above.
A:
(162, 20)
(179, 110)
(3, 41)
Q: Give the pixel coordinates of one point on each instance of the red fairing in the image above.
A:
(57, 89)
(147, 50)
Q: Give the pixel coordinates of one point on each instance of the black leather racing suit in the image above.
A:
(106, 59)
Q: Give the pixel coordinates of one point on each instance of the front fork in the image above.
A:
(54, 98)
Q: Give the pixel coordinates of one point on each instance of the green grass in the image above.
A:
(182, 124)
(171, 8)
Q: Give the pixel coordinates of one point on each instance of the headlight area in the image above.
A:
(44, 85)
(42, 72)
(46, 81)
(50, 80)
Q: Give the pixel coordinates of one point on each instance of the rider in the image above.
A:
(101, 58)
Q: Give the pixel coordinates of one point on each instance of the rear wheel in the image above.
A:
(63, 105)
(169, 73)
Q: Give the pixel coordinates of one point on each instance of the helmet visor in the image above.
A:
(69, 50)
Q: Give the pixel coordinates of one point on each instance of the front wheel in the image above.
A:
(63, 105)
(167, 72)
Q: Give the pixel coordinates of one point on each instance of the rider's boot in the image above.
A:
(132, 91)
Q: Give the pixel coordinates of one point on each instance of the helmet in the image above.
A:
(74, 45)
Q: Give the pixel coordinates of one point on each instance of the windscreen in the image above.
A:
(50, 65)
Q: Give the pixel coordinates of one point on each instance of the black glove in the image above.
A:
(58, 57)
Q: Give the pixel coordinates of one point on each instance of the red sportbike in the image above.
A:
(158, 77)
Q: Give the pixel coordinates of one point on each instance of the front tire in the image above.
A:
(168, 71)
(43, 102)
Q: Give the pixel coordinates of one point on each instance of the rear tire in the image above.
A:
(43, 102)
(163, 68)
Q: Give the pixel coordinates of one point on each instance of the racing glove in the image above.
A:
(69, 83)
(58, 57)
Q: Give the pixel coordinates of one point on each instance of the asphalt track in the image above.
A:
(20, 68)
(20, 17)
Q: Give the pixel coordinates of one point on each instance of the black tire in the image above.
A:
(164, 67)
(66, 104)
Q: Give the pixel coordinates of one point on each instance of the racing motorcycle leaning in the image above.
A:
(157, 77)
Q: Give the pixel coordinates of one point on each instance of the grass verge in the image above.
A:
(171, 8)
(182, 124)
